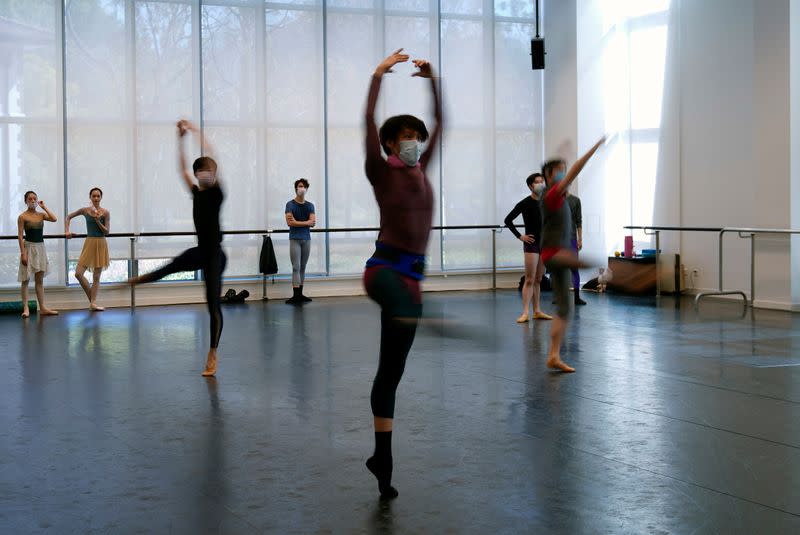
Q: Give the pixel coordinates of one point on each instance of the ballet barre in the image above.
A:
(656, 231)
(134, 236)
(742, 232)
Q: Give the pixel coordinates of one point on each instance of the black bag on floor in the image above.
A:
(232, 298)
(267, 264)
(545, 286)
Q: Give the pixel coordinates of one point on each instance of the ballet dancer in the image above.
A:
(208, 256)
(300, 217)
(94, 254)
(32, 254)
(531, 240)
(393, 273)
(557, 253)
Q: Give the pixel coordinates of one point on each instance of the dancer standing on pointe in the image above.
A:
(208, 256)
(531, 212)
(393, 274)
(94, 254)
(557, 252)
(32, 254)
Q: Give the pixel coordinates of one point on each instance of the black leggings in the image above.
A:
(400, 301)
(212, 262)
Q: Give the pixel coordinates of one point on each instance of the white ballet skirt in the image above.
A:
(37, 261)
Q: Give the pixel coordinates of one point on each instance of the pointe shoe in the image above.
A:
(560, 365)
(541, 316)
(96, 308)
(523, 319)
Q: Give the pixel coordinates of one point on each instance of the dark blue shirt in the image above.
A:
(300, 212)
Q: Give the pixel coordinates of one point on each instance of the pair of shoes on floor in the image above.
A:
(297, 297)
(537, 316)
(231, 297)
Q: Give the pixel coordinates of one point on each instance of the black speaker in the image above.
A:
(537, 54)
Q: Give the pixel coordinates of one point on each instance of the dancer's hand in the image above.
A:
(527, 238)
(181, 125)
(393, 59)
(41, 205)
(580, 244)
(24, 259)
(424, 66)
(67, 234)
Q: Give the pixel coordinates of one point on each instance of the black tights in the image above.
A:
(399, 299)
(212, 262)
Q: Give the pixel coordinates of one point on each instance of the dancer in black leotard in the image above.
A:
(208, 255)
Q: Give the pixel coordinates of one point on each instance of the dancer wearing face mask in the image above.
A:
(208, 256)
(534, 266)
(94, 254)
(32, 255)
(393, 274)
(300, 217)
(557, 252)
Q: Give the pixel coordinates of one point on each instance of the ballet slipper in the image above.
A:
(26, 314)
(96, 308)
(211, 366)
(523, 318)
(48, 312)
(555, 363)
(541, 316)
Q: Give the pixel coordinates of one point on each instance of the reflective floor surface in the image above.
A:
(676, 421)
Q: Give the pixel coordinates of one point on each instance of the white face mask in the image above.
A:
(206, 178)
(301, 192)
(538, 189)
(32, 205)
(409, 152)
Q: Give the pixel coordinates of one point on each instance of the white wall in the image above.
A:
(794, 87)
(560, 79)
(724, 155)
(734, 139)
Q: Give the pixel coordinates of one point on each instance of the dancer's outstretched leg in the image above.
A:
(189, 260)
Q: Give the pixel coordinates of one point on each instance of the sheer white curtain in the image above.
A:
(30, 122)
(622, 49)
(280, 90)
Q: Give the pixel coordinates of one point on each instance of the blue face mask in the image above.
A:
(559, 177)
(409, 152)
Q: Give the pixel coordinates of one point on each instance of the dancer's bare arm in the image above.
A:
(578, 166)
(372, 141)
(20, 232)
(426, 71)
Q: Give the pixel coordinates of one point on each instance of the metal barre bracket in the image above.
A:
(701, 295)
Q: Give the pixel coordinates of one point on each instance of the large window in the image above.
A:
(622, 45)
(279, 89)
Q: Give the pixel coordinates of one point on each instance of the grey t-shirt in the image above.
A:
(577, 217)
(301, 212)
